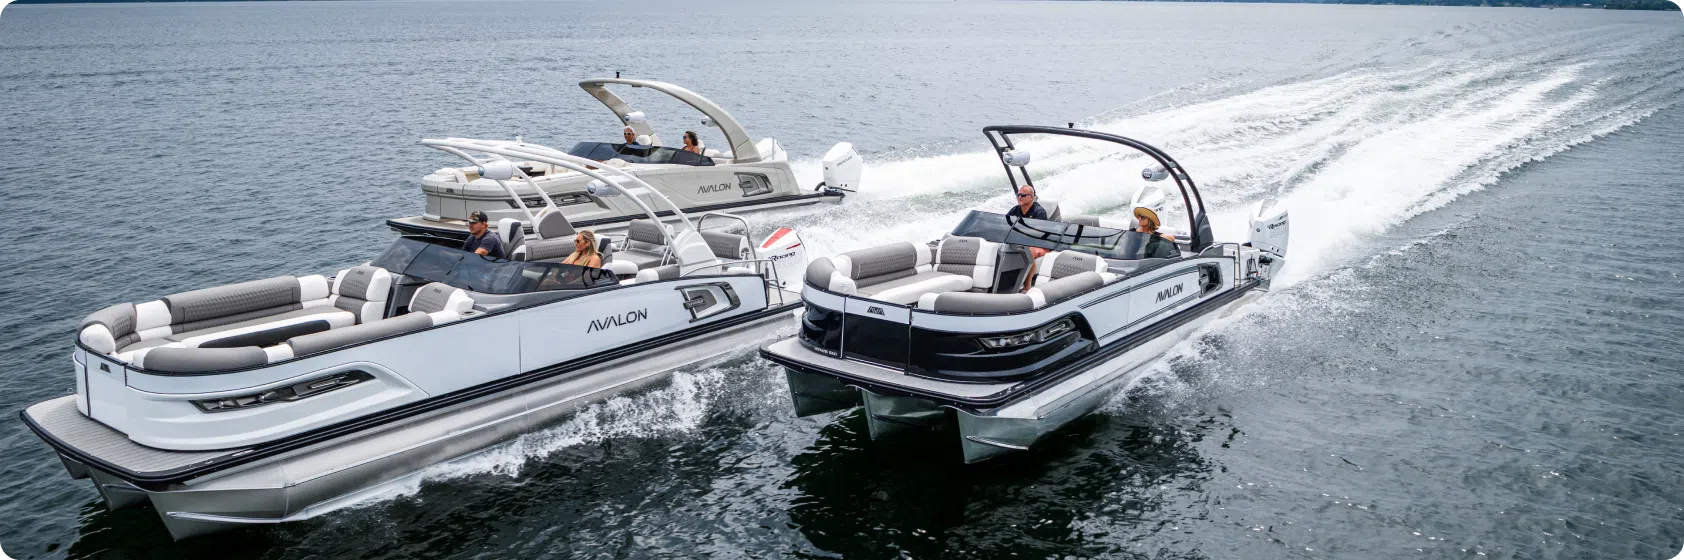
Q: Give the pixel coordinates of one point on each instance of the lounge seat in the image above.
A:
(221, 309)
(252, 314)
(728, 246)
(897, 273)
(433, 304)
(1059, 275)
(975, 257)
(1037, 297)
(645, 245)
(1059, 264)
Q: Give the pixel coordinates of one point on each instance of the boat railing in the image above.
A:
(762, 265)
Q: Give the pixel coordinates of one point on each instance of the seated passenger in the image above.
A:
(1160, 245)
(631, 136)
(479, 242)
(1027, 207)
(584, 251)
(692, 143)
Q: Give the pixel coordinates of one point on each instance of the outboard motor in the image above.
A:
(842, 168)
(1269, 232)
(788, 256)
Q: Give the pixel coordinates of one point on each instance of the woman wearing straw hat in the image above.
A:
(1160, 245)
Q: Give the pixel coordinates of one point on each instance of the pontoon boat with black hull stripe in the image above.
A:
(746, 177)
(936, 336)
(282, 399)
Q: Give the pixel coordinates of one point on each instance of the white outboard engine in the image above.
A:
(842, 168)
(1269, 232)
(1152, 196)
(788, 256)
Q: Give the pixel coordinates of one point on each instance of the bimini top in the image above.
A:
(434, 260)
(742, 148)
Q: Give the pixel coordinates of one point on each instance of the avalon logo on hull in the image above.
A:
(705, 189)
(611, 321)
(1169, 292)
(875, 310)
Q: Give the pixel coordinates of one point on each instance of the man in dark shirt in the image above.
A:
(479, 241)
(1026, 205)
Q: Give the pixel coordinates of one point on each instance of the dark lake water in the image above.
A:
(1476, 351)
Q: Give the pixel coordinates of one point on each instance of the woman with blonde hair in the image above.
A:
(584, 251)
(1160, 245)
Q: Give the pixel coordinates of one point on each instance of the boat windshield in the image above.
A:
(435, 260)
(1106, 242)
(604, 151)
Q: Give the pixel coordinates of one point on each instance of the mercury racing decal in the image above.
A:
(611, 321)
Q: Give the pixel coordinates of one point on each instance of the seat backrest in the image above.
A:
(969, 256)
(1051, 206)
(443, 302)
(1059, 264)
(848, 271)
(121, 325)
(512, 233)
(553, 225)
(362, 290)
(728, 246)
(546, 249)
(667, 272)
(645, 235)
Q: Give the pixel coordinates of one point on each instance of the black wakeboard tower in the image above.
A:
(1198, 222)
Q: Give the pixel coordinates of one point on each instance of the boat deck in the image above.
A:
(793, 349)
(76, 434)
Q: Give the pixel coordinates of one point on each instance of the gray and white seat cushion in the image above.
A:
(362, 290)
(442, 302)
(513, 236)
(969, 256)
(433, 304)
(1043, 294)
(897, 273)
(249, 313)
(1059, 264)
(645, 244)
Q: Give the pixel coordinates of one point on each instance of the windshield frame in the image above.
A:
(650, 155)
(1109, 243)
(433, 259)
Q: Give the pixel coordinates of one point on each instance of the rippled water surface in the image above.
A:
(1475, 352)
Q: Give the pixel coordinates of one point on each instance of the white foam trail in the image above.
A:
(676, 408)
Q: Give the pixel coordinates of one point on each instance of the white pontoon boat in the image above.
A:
(746, 176)
(929, 335)
(282, 399)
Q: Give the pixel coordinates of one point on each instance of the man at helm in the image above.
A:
(1159, 245)
(1028, 207)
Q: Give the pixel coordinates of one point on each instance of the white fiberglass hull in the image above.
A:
(340, 472)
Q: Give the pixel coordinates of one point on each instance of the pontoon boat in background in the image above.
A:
(927, 335)
(747, 176)
(282, 399)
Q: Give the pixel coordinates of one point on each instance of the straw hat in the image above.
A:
(1146, 214)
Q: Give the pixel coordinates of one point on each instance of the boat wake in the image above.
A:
(678, 407)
